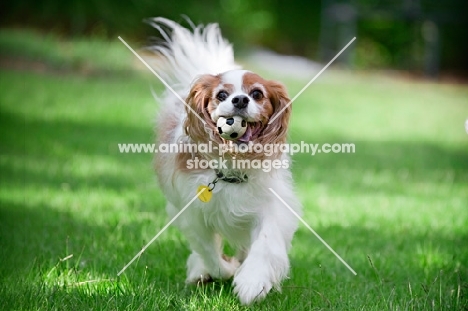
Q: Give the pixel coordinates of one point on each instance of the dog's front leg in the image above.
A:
(267, 262)
(207, 260)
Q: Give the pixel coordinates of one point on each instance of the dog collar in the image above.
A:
(233, 179)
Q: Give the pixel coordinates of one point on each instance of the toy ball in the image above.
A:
(231, 128)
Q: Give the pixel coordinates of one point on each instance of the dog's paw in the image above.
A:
(201, 279)
(229, 267)
(251, 286)
(196, 271)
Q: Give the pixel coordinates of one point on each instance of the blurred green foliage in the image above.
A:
(390, 33)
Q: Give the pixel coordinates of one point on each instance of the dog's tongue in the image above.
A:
(252, 131)
(247, 135)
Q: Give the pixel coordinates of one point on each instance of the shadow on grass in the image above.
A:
(35, 234)
(422, 158)
(421, 255)
(45, 152)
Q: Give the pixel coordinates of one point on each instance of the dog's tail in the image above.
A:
(185, 54)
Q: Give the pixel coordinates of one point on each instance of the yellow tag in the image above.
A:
(206, 195)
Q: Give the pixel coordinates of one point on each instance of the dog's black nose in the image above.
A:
(240, 101)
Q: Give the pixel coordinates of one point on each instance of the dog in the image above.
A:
(235, 204)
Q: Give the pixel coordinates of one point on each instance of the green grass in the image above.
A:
(74, 210)
(84, 55)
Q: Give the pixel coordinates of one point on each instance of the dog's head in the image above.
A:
(262, 103)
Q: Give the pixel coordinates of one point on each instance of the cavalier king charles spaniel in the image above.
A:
(203, 84)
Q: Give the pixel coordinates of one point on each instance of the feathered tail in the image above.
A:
(187, 54)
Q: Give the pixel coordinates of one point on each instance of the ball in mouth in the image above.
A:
(231, 128)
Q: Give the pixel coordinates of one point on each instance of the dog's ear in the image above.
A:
(276, 130)
(199, 97)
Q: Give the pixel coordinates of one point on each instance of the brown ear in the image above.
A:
(276, 131)
(198, 100)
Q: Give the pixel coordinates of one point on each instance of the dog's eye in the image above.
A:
(222, 95)
(256, 94)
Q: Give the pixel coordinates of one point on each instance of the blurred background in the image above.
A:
(420, 36)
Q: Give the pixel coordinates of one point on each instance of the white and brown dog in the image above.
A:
(199, 65)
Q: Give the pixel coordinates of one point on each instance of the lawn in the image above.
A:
(74, 210)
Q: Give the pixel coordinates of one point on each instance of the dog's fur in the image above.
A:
(198, 63)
